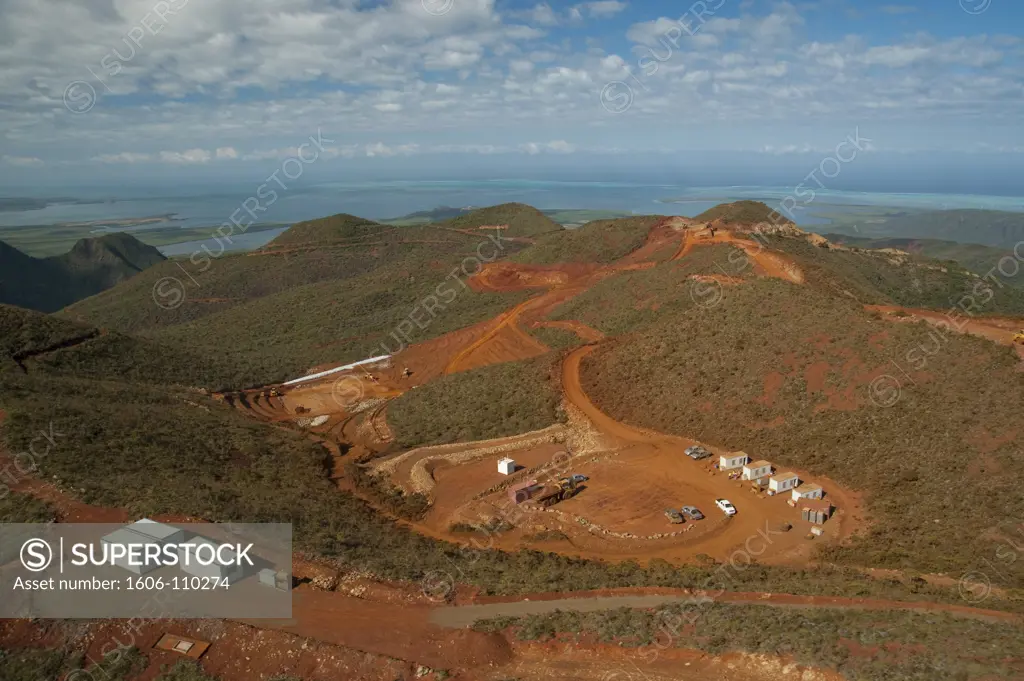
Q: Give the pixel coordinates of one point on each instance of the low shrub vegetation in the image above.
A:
(555, 338)
(601, 241)
(636, 299)
(909, 281)
(480, 404)
(21, 508)
(922, 420)
(863, 646)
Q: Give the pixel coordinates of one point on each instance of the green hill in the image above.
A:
(326, 231)
(598, 241)
(91, 266)
(878, 277)
(521, 220)
(974, 257)
(329, 290)
(995, 228)
(743, 213)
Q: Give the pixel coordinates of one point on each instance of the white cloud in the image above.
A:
(380, 149)
(604, 8)
(555, 146)
(187, 157)
(123, 157)
(391, 79)
(543, 15)
(22, 160)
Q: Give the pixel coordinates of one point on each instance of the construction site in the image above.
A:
(632, 475)
(588, 485)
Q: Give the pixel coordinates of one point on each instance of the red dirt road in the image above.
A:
(402, 631)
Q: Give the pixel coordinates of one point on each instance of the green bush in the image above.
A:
(480, 404)
(21, 508)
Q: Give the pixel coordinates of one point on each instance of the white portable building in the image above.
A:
(808, 491)
(756, 470)
(783, 482)
(734, 460)
(191, 551)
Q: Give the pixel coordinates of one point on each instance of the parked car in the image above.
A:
(577, 478)
(674, 516)
(692, 512)
(696, 452)
(726, 506)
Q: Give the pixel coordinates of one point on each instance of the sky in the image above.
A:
(109, 90)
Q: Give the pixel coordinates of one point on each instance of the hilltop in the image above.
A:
(91, 266)
(326, 231)
(747, 213)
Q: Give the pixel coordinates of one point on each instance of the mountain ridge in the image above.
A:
(92, 265)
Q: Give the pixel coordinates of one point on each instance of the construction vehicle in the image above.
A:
(274, 392)
(1019, 337)
(566, 488)
(674, 516)
(407, 372)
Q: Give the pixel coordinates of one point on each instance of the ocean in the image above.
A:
(390, 199)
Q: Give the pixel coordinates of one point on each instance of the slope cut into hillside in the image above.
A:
(91, 266)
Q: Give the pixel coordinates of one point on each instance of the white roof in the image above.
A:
(784, 476)
(153, 529)
(199, 541)
(127, 537)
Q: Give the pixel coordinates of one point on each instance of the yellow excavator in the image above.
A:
(1019, 337)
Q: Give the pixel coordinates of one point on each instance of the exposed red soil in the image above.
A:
(238, 652)
(67, 508)
(768, 263)
(645, 471)
(587, 660)
(400, 631)
(508, 276)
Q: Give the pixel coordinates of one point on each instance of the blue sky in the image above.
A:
(96, 89)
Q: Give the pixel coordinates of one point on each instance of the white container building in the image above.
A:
(734, 460)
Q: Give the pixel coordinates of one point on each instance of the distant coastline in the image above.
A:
(122, 222)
